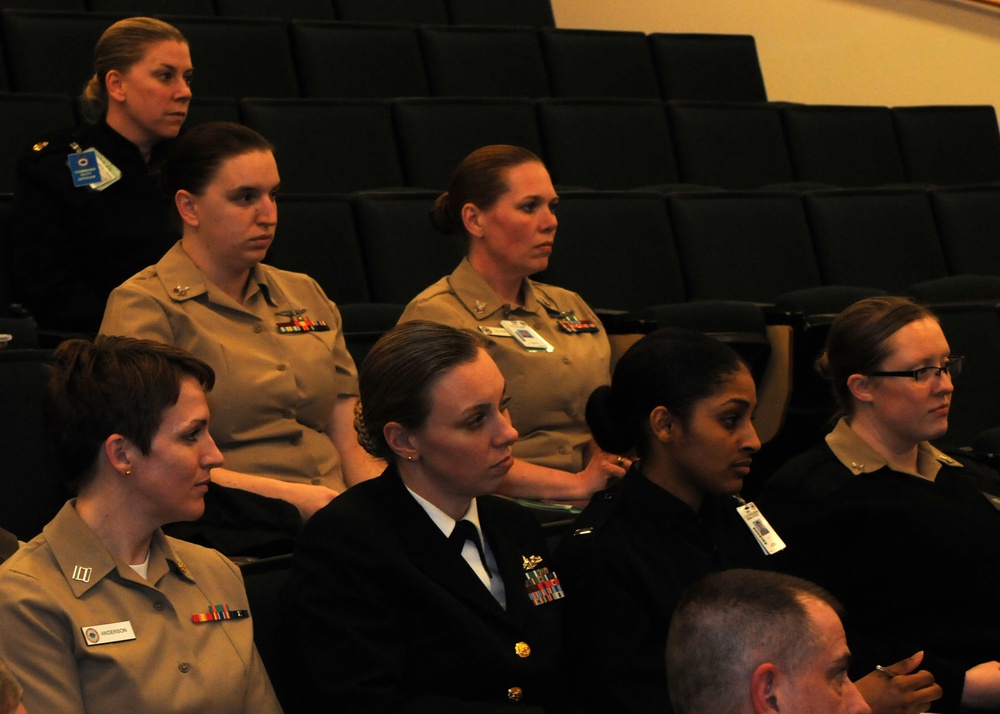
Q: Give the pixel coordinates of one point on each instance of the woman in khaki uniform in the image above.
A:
(102, 612)
(284, 405)
(502, 200)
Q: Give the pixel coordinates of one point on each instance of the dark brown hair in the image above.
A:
(121, 46)
(113, 385)
(858, 341)
(397, 375)
(194, 159)
(480, 179)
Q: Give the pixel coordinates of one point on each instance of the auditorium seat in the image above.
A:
(967, 220)
(708, 67)
(246, 57)
(616, 249)
(328, 145)
(153, 7)
(607, 144)
(24, 119)
(366, 61)
(316, 236)
(47, 5)
(523, 13)
(599, 63)
(52, 52)
(471, 61)
(730, 145)
(849, 146)
(875, 238)
(432, 12)
(403, 253)
(749, 246)
(285, 10)
(435, 134)
(949, 144)
(33, 489)
(203, 109)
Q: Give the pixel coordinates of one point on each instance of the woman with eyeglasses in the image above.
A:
(901, 532)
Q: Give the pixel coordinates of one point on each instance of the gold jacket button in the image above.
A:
(515, 693)
(522, 649)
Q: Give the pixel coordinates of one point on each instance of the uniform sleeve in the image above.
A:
(38, 648)
(347, 371)
(43, 250)
(132, 312)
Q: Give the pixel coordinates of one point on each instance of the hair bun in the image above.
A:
(605, 423)
(822, 366)
(364, 438)
(441, 215)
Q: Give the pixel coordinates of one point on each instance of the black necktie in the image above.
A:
(465, 530)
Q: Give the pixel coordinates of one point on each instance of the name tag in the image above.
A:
(768, 540)
(106, 634)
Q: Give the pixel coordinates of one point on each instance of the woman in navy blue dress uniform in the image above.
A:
(72, 244)
(391, 610)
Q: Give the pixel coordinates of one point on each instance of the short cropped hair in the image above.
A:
(727, 625)
(396, 377)
(113, 385)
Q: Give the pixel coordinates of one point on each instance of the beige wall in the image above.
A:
(893, 52)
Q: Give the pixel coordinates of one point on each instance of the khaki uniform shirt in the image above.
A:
(549, 390)
(855, 453)
(274, 393)
(65, 581)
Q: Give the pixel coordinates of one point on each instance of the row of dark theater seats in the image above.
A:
(535, 13)
(340, 146)
(246, 57)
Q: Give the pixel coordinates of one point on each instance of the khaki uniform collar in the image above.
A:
(482, 302)
(858, 456)
(182, 280)
(85, 561)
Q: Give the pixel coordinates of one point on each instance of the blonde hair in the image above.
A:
(121, 46)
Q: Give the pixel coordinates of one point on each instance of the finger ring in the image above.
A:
(621, 460)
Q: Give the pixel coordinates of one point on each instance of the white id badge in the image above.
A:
(768, 540)
(529, 339)
(110, 632)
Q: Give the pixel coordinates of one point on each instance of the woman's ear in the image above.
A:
(860, 387)
(472, 219)
(400, 441)
(118, 451)
(662, 423)
(114, 85)
(186, 207)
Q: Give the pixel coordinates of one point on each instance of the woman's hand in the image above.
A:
(982, 686)
(602, 467)
(909, 692)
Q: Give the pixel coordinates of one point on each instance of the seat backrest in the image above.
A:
(203, 109)
(729, 145)
(24, 118)
(599, 63)
(403, 253)
(949, 144)
(616, 249)
(316, 236)
(154, 7)
(750, 246)
(520, 13)
(877, 238)
(239, 57)
(708, 67)
(350, 60)
(392, 11)
(435, 134)
(286, 9)
(52, 51)
(967, 220)
(328, 145)
(478, 61)
(607, 144)
(850, 146)
(33, 488)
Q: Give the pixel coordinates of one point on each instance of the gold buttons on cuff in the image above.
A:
(522, 649)
(515, 693)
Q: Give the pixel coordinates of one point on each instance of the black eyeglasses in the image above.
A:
(952, 367)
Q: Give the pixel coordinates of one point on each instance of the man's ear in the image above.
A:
(400, 441)
(764, 685)
(472, 219)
